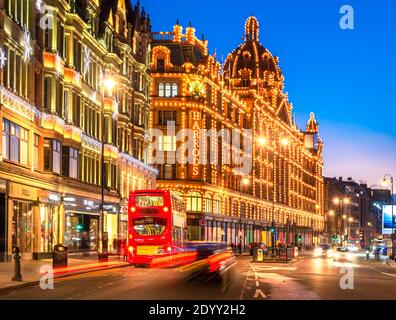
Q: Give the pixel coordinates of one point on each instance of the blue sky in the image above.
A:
(347, 77)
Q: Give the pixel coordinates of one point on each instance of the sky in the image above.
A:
(346, 77)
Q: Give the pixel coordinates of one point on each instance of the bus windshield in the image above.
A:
(149, 226)
(149, 201)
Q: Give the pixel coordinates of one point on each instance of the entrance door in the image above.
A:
(3, 228)
(22, 227)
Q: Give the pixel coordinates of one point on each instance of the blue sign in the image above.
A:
(387, 219)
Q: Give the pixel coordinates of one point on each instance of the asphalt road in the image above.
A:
(311, 278)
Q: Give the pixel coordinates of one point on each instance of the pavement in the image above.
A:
(32, 270)
(312, 278)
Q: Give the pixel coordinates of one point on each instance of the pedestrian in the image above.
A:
(119, 247)
(125, 249)
(114, 249)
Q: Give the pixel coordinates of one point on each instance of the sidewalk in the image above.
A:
(77, 264)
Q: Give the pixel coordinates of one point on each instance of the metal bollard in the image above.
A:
(17, 258)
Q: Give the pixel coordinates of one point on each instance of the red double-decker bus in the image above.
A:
(157, 229)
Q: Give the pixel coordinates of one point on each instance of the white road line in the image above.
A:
(389, 274)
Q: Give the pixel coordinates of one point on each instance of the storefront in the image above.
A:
(82, 223)
(3, 221)
(21, 201)
(48, 223)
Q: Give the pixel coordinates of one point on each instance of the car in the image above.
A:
(322, 250)
(342, 254)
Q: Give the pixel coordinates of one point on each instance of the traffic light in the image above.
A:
(273, 227)
(299, 238)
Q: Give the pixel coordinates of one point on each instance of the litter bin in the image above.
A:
(289, 254)
(258, 254)
(59, 256)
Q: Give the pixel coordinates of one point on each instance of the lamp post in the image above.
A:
(384, 180)
(245, 183)
(331, 214)
(108, 83)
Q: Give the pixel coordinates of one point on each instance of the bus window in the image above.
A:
(149, 226)
(149, 201)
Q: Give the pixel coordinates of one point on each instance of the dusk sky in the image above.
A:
(347, 77)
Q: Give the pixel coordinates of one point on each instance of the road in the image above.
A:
(311, 278)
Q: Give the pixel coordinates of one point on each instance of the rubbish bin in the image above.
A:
(59, 256)
(289, 254)
(258, 254)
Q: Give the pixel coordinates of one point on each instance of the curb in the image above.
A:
(36, 282)
(280, 261)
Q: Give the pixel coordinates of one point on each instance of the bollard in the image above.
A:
(17, 258)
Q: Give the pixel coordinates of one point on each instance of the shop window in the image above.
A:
(22, 226)
(208, 205)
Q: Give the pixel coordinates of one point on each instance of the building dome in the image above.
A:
(251, 64)
(312, 125)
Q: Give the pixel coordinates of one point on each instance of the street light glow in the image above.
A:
(346, 200)
(336, 200)
(245, 181)
(331, 213)
(262, 141)
(344, 216)
(109, 83)
(285, 141)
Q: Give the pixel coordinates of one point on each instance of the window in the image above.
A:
(15, 141)
(161, 90)
(174, 90)
(52, 155)
(56, 156)
(6, 139)
(166, 115)
(47, 93)
(167, 143)
(167, 90)
(169, 171)
(194, 202)
(36, 145)
(70, 162)
(160, 65)
(24, 145)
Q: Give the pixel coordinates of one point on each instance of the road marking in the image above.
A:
(259, 293)
(389, 274)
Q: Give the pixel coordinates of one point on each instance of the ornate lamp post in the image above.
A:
(108, 84)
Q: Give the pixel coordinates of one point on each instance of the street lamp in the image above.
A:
(108, 84)
(385, 182)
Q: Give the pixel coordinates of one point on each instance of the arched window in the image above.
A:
(194, 202)
(208, 204)
(161, 90)
(217, 205)
(167, 90)
(174, 90)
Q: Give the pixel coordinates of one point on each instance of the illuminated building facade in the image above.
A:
(54, 57)
(283, 189)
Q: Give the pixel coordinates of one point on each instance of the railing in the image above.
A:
(163, 36)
